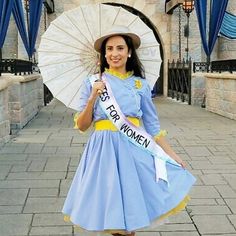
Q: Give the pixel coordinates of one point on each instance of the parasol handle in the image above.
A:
(99, 91)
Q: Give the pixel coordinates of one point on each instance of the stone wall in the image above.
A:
(226, 47)
(10, 46)
(4, 115)
(195, 52)
(23, 98)
(221, 94)
(198, 91)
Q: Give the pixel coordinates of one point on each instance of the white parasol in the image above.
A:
(66, 54)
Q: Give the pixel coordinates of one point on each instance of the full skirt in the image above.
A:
(114, 187)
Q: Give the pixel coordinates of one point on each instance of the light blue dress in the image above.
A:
(114, 187)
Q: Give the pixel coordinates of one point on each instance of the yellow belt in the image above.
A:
(108, 125)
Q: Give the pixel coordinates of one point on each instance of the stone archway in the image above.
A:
(159, 85)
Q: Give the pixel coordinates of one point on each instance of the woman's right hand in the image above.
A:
(85, 118)
(97, 89)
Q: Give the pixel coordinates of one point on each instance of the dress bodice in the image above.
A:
(132, 94)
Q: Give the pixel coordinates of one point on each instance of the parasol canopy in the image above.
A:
(66, 55)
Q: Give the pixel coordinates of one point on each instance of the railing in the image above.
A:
(47, 95)
(223, 65)
(179, 80)
(215, 66)
(200, 67)
(15, 66)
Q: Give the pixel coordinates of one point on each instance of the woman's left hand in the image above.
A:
(167, 148)
(179, 160)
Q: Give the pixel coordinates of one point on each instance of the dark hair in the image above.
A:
(133, 63)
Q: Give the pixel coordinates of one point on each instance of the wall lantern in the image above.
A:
(188, 6)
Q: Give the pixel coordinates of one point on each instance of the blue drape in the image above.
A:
(216, 18)
(228, 27)
(201, 8)
(20, 22)
(5, 14)
(35, 10)
(217, 11)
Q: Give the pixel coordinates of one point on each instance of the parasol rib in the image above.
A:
(66, 85)
(68, 45)
(133, 21)
(151, 46)
(71, 35)
(116, 16)
(100, 17)
(87, 25)
(77, 90)
(61, 74)
(86, 56)
(64, 60)
(89, 43)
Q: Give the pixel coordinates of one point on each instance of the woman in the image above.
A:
(114, 189)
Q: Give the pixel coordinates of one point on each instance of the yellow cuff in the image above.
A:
(76, 116)
(162, 133)
(75, 120)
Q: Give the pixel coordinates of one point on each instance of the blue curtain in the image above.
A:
(228, 27)
(20, 22)
(217, 14)
(5, 14)
(217, 11)
(35, 10)
(201, 9)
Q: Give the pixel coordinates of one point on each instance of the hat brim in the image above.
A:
(135, 39)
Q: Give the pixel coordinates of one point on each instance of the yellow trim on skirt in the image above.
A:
(173, 211)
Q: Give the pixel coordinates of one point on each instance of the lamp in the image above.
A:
(188, 6)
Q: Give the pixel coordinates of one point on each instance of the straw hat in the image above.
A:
(117, 30)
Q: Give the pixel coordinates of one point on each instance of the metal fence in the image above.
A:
(16, 66)
(215, 66)
(179, 80)
(47, 95)
(223, 65)
(200, 67)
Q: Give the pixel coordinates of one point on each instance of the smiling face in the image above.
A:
(117, 53)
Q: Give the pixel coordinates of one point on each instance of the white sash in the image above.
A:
(134, 134)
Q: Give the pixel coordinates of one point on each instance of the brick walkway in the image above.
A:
(36, 168)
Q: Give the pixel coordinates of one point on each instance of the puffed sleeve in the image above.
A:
(84, 95)
(83, 98)
(150, 116)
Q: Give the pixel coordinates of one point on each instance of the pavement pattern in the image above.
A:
(38, 164)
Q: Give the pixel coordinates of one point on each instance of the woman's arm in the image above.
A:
(167, 148)
(85, 118)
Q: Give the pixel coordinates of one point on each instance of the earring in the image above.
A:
(106, 56)
(129, 55)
